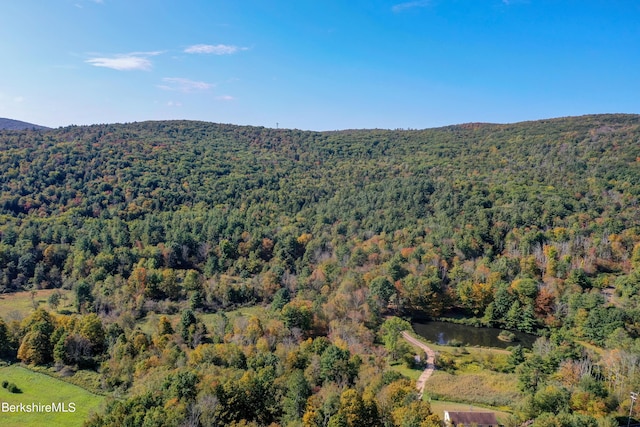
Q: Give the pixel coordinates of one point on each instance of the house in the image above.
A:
(470, 419)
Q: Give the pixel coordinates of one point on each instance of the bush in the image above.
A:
(507, 336)
(5, 383)
(446, 362)
(410, 361)
(13, 388)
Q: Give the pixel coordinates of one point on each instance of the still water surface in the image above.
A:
(443, 332)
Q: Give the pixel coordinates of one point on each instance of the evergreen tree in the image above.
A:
(295, 400)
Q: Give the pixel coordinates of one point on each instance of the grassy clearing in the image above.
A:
(473, 376)
(18, 305)
(466, 360)
(245, 312)
(412, 374)
(461, 360)
(85, 379)
(483, 388)
(472, 379)
(254, 310)
(149, 323)
(41, 389)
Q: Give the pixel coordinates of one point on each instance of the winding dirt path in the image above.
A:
(431, 358)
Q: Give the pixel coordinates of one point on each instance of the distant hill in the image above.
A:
(542, 174)
(10, 124)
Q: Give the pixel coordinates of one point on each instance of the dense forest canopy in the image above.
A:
(471, 191)
(532, 226)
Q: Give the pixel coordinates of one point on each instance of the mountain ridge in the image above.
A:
(12, 124)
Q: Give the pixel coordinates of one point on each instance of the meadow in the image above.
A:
(37, 388)
(18, 305)
(149, 324)
(493, 389)
(472, 376)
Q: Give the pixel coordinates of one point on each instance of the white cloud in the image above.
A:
(218, 49)
(225, 98)
(409, 5)
(122, 63)
(125, 62)
(174, 104)
(184, 85)
(18, 99)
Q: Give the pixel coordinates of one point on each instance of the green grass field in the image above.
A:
(412, 374)
(18, 305)
(41, 389)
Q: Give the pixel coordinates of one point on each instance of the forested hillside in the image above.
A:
(162, 229)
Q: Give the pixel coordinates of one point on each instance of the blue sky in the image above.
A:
(317, 64)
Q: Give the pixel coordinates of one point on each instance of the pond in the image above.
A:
(442, 333)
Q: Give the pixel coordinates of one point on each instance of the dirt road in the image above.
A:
(431, 358)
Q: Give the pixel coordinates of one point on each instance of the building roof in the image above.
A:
(469, 418)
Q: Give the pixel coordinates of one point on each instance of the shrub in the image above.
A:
(446, 362)
(410, 361)
(507, 336)
(5, 383)
(13, 388)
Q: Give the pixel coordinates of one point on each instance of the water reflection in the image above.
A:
(443, 333)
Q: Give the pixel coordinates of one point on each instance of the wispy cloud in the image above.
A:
(184, 85)
(400, 7)
(125, 62)
(225, 98)
(217, 49)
